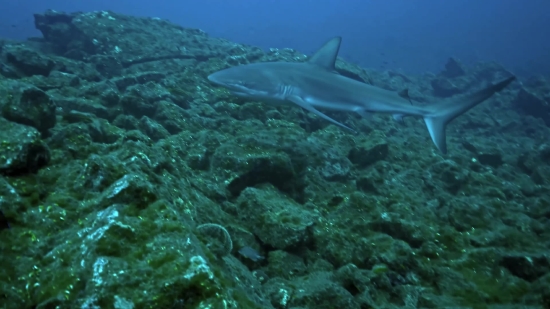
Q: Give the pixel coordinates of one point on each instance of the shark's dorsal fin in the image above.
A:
(325, 57)
(405, 94)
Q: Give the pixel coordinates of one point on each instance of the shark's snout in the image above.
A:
(212, 78)
(218, 79)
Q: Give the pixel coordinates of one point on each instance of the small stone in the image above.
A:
(369, 149)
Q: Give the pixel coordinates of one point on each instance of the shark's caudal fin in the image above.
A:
(441, 114)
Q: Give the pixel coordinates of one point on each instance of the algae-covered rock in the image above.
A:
(285, 265)
(30, 106)
(526, 266)
(28, 61)
(262, 158)
(275, 219)
(532, 104)
(22, 150)
(369, 149)
(145, 153)
(320, 291)
(335, 167)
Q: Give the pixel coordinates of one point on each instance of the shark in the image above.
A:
(315, 85)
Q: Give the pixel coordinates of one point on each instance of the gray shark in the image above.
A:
(315, 85)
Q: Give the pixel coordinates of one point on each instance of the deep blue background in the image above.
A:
(414, 35)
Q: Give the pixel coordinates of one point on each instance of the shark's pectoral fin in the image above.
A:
(436, 127)
(305, 105)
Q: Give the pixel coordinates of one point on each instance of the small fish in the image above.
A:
(250, 253)
(4, 224)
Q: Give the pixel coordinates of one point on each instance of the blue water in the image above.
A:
(414, 36)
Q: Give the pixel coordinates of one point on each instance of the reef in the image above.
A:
(129, 181)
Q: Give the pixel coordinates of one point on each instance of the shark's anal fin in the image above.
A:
(303, 104)
(405, 94)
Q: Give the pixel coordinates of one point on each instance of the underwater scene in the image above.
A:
(144, 164)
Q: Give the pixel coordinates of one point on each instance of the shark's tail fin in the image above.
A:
(441, 114)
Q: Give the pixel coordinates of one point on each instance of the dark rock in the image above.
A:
(279, 292)
(29, 62)
(204, 145)
(541, 174)
(263, 165)
(537, 82)
(370, 181)
(127, 122)
(85, 35)
(81, 104)
(276, 220)
(527, 162)
(335, 166)
(8, 71)
(399, 229)
(55, 80)
(83, 70)
(319, 290)
(109, 66)
(198, 158)
(139, 78)
(285, 265)
(526, 266)
(490, 71)
(170, 116)
(544, 153)
(446, 174)
(534, 165)
(527, 187)
(353, 71)
(493, 159)
(137, 106)
(59, 30)
(469, 146)
(152, 129)
(22, 149)
(30, 106)
(453, 68)
(532, 105)
(369, 149)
